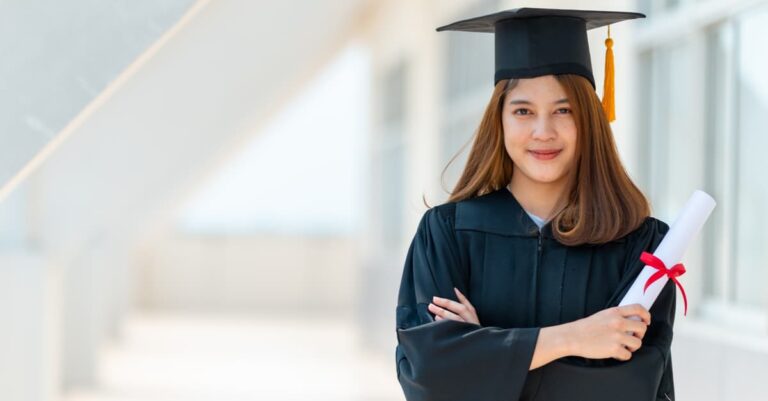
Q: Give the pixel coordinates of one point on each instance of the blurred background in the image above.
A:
(212, 199)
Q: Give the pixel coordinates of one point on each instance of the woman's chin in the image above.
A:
(547, 178)
(545, 175)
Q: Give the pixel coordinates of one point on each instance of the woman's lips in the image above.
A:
(545, 154)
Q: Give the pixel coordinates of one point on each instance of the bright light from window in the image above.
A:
(303, 172)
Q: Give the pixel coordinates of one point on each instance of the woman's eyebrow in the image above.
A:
(524, 101)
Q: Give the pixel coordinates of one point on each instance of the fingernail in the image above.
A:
(434, 299)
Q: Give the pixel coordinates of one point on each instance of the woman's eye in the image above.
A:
(522, 112)
(564, 110)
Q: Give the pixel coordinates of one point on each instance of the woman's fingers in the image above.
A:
(635, 310)
(462, 298)
(636, 328)
(464, 309)
(443, 313)
(632, 343)
(451, 305)
(623, 354)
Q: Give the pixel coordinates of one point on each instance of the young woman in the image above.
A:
(509, 288)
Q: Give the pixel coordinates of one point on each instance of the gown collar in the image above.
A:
(498, 212)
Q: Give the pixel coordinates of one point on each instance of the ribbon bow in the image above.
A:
(673, 273)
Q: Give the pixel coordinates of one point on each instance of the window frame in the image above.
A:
(719, 306)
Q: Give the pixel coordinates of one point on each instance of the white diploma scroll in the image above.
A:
(671, 249)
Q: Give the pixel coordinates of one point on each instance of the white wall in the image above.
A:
(269, 274)
(30, 319)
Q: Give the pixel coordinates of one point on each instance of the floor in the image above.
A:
(165, 357)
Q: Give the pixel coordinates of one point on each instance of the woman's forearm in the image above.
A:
(553, 343)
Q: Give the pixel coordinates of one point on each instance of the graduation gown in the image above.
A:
(520, 279)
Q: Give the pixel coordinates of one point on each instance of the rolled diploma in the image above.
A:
(671, 249)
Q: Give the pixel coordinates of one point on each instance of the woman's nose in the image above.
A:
(544, 128)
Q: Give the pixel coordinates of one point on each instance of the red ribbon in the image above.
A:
(673, 273)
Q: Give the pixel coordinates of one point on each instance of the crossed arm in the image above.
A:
(609, 333)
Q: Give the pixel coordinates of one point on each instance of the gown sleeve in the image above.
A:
(447, 360)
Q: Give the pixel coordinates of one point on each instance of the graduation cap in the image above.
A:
(531, 42)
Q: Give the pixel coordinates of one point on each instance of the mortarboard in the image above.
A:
(531, 42)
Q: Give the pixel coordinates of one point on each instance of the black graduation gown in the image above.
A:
(519, 279)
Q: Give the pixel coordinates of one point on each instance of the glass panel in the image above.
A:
(392, 151)
(681, 146)
(657, 137)
(751, 239)
(456, 136)
(644, 6)
(470, 56)
(469, 83)
(641, 175)
(719, 52)
(470, 62)
(671, 4)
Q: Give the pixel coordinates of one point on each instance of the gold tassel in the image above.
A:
(608, 85)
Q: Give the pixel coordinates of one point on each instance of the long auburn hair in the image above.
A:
(602, 203)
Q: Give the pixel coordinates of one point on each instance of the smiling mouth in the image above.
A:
(545, 154)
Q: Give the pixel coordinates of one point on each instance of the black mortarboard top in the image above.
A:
(531, 42)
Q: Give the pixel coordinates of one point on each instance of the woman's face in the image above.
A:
(539, 130)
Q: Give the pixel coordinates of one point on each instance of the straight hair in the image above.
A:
(602, 203)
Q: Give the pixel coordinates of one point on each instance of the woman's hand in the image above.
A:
(462, 311)
(609, 333)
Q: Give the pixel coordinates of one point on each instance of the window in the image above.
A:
(715, 140)
(737, 90)
(718, 170)
(668, 143)
(750, 252)
(392, 154)
(654, 134)
(468, 87)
